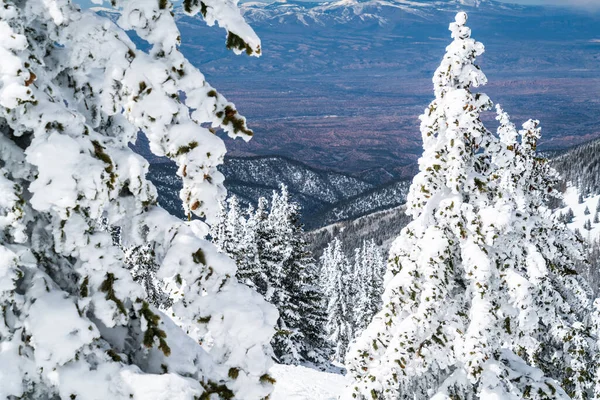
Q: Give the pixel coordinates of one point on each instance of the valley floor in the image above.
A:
(301, 383)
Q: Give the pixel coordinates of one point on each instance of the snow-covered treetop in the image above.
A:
(458, 69)
(450, 127)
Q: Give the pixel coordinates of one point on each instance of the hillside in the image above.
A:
(579, 168)
(324, 196)
(380, 198)
(381, 226)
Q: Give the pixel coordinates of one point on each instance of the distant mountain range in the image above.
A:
(324, 196)
(381, 12)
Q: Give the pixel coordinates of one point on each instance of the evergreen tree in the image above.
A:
(596, 218)
(586, 211)
(337, 278)
(545, 253)
(293, 280)
(269, 245)
(369, 267)
(570, 216)
(360, 305)
(74, 93)
(141, 261)
(234, 233)
(481, 299)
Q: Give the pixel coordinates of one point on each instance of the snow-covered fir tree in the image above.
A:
(369, 268)
(74, 92)
(337, 277)
(481, 300)
(352, 287)
(543, 253)
(270, 241)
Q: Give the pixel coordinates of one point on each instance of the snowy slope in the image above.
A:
(301, 383)
(571, 199)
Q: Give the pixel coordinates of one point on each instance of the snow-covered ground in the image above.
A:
(301, 383)
(571, 199)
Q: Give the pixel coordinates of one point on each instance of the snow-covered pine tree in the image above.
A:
(378, 260)
(249, 268)
(142, 265)
(369, 268)
(480, 300)
(234, 234)
(75, 91)
(537, 256)
(294, 281)
(258, 236)
(337, 275)
(360, 291)
(270, 247)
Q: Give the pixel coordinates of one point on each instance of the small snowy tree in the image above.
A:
(481, 300)
(234, 233)
(74, 92)
(337, 276)
(369, 268)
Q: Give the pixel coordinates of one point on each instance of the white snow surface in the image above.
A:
(571, 200)
(301, 383)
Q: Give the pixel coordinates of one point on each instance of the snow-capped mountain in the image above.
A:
(344, 11)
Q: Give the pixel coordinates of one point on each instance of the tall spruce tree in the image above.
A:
(481, 300)
(74, 93)
(537, 248)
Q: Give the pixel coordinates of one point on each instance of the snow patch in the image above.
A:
(301, 383)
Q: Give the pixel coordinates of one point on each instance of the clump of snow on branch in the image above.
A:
(75, 91)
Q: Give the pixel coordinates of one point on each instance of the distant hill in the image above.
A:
(579, 168)
(381, 226)
(324, 196)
